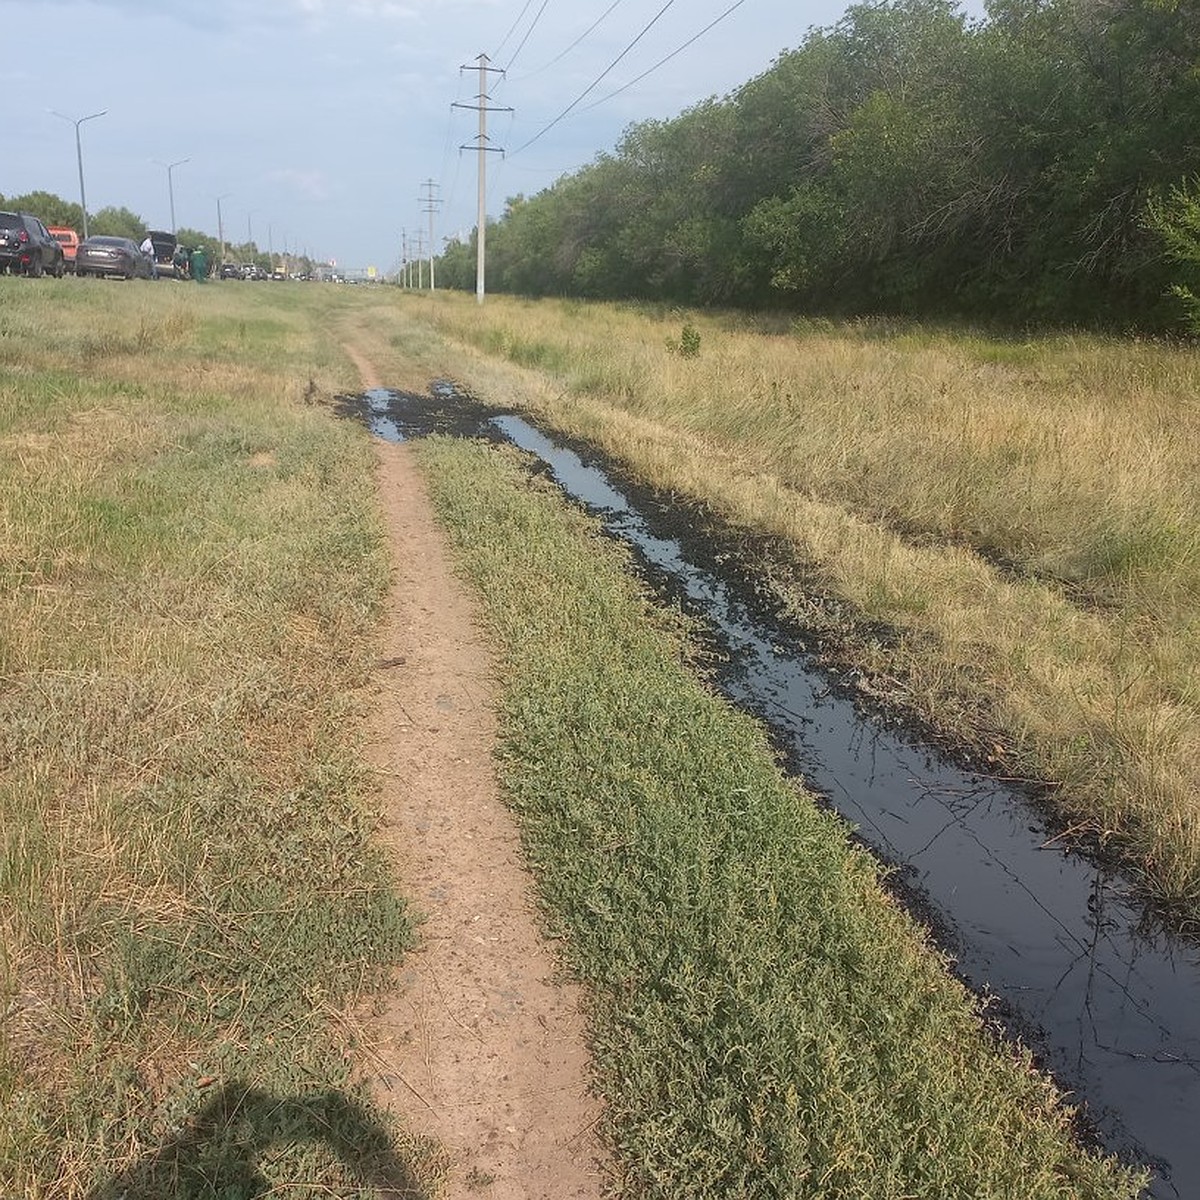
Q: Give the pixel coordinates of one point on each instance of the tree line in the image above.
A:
(115, 221)
(1040, 165)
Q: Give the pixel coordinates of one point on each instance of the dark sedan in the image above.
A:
(26, 246)
(105, 255)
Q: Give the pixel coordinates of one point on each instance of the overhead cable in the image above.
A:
(595, 82)
(559, 57)
(662, 61)
(514, 25)
(532, 27)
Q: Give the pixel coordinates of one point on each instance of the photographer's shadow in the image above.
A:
(217, 1154)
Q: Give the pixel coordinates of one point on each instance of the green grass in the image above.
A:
(766, 1022)
(1020, 514)
(192, 906)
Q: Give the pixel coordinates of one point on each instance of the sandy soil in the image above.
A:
(482, 1047)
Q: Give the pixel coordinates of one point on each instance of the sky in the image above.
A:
(329, 127)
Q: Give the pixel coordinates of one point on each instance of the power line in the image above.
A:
(532, 27)
(645, 30)
(448, 144)
(520, 18)
(663, 61)
(558, 58)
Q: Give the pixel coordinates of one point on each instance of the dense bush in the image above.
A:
(905, 160)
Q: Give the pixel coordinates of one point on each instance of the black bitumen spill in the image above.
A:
(1106, 998)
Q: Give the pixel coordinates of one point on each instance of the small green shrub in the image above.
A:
(688, 345)
(1175, 220)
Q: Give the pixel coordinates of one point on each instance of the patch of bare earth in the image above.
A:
(481, 1047)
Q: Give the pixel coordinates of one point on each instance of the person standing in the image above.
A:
(147, 248)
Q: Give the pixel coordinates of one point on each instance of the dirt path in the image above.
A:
(484, 1049)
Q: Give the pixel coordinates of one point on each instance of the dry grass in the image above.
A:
(1023, 513)
(190, 575)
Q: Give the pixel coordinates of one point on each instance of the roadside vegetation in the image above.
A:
(766, 1022)
(194, 916)
(192, 908)
(1009, 525)
(1039, 165)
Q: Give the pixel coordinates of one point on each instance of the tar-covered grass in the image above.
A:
(1021, 513)
(766, 1021)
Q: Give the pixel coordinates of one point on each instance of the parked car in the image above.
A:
(165, 245)
(105, 255)
(68, 239)
(26, 246)
(230, 271)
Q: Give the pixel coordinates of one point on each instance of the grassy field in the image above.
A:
(1023, 516)
(766, 1022)
(192, 908)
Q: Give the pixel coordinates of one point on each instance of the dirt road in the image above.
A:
(481, 1047)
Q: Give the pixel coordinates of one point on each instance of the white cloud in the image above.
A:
(312, 182)
(385, 10)
(203, 14)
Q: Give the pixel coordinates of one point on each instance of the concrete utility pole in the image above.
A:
(221, 230)
(431, 204)
(419, 255)
(483, 108)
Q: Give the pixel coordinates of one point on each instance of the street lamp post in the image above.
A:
(221, 227)
(171, 186)
(79, 155)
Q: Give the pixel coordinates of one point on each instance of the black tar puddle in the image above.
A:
(1108, 1001)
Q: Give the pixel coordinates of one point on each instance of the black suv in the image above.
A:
(26, 246)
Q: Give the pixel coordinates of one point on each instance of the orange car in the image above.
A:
(69, 240)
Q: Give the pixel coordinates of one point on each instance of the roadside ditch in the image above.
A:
(1058, 945)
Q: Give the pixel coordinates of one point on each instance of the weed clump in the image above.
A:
(687, 345)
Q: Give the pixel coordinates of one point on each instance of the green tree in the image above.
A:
(1174, 218)
(904, 159)
(1086, 108)
(456, 266)
(880, 209)
(51, 209)
(118, 222)
(187, 236)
